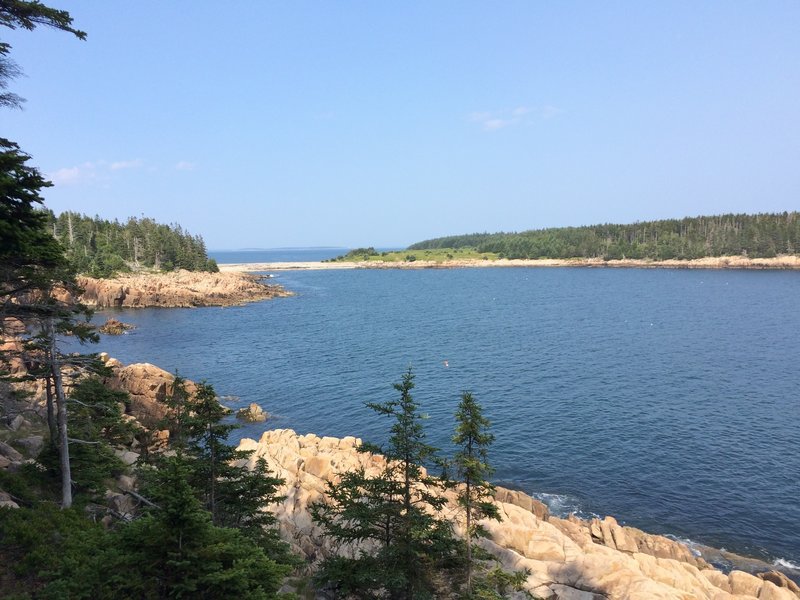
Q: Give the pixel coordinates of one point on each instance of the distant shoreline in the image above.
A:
(787, 262)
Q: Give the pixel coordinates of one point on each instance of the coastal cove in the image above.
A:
(666, 398)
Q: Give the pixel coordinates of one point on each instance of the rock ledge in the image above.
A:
(567, 558)
(178, 289)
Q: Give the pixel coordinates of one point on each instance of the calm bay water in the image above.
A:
(666, 398)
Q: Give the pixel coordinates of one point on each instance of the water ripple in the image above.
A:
(668, 403)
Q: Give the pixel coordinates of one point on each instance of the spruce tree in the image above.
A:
(390, 517)
(31, 261)
(175, 551)
(234, 495)
(472, 470)
(96, 428)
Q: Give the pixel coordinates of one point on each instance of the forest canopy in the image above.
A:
(756, 236)
(99, 247)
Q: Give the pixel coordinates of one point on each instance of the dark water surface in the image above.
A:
(667, 398)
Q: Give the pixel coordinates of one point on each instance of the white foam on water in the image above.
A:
(563, 505)
(782, 563)
(690, 544)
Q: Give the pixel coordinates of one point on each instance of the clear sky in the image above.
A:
(265, 124)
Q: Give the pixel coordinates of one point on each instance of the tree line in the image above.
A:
(756, 236)
(99, 247)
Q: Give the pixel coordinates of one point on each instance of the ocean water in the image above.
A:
(275, 255)
(667, 398)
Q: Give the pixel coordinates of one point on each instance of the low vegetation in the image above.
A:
(437, 255)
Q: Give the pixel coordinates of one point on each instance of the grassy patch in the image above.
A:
(437, 255)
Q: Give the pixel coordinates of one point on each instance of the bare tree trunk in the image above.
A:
(61, 403)
(469, 538)
(71, 232)
(51, 412)
(213, 499)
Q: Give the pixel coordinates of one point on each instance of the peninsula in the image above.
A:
(730, 241)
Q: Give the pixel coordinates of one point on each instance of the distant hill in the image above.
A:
(756, 236)
(99, 247)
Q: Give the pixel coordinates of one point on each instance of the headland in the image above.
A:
(177, 289)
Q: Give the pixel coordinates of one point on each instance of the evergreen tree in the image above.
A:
(234, 495)
(95, 429)
(172, 551)
(33, 271)
(31, 261)
(50, 554)
(472, 469)
(389, 517)
(26, 14)
(175, 551)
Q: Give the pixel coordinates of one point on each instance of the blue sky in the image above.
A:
(266, 124)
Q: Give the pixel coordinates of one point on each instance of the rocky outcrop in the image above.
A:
(629, 539)
(9, 456)
(148, 387)
(781, 581)
(115, 327)
(6, 501)
(522, 500)
(565, 558)
(176, 289)
(11, 346)
(252, 414)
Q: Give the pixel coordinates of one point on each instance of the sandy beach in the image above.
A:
(787, 262)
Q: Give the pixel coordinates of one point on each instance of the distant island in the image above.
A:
(757, 236)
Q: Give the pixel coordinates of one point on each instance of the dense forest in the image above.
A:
(756, 236)
(99, 247)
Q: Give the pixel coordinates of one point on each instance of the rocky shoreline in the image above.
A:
(569, 559)
(178, 289)
(566, 558)
(787, 262)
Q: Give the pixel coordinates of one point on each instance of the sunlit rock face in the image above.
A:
(566, 558)
(176, 289)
